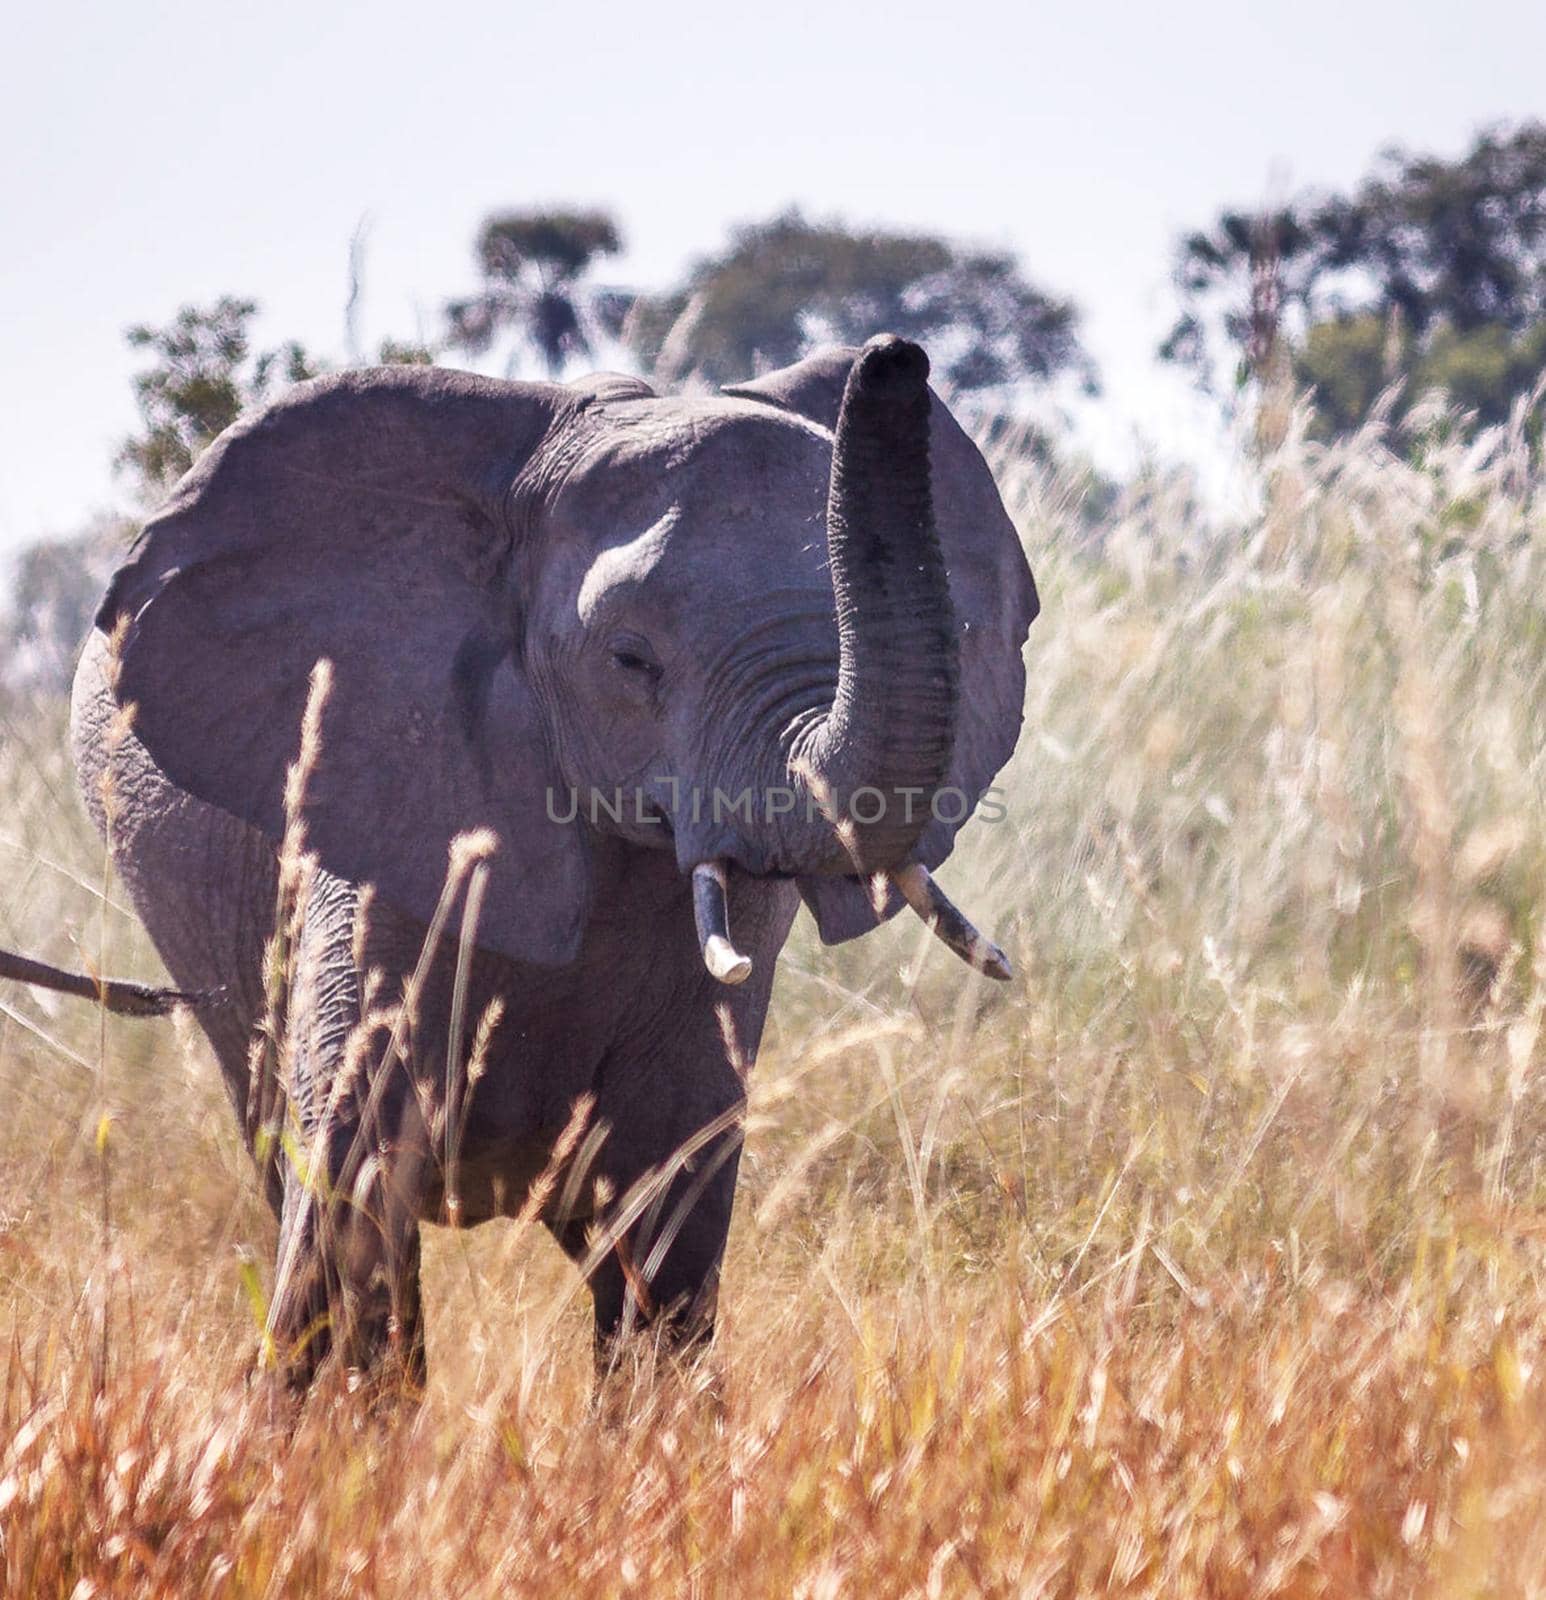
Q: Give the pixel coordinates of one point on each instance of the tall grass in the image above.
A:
(1208, 1258)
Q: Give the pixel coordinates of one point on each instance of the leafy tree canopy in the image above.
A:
(786, 285)
(1430, 270)
(559, 246)
(1348, 361)
(533, 265)
(203, 375)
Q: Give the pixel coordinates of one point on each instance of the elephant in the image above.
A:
(624, 678)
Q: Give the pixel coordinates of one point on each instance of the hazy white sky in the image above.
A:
(170, 151)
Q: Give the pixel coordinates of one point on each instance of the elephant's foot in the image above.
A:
(347, 1297)
(371, 1338)
(654, 1293)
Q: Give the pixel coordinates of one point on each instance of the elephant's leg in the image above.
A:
(660, 1275)
(300, 1327)
(347, 1281)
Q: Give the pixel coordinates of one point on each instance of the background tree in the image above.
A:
(533, 265)
(1431, 271)
(54, 589)
(404, 353)
(1253, 277)
(203, 373)
(1347, 361)
(786, 285)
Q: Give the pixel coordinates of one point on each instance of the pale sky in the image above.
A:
(168, 151)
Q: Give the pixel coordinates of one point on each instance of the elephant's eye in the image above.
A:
(626, 658)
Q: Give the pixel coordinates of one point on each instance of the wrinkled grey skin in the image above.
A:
(521, 587)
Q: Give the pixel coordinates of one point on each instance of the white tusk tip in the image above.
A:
(724, 961)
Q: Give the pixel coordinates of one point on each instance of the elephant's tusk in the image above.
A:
(947, 924)
(709, 911)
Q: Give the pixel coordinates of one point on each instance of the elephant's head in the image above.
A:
(744, 628)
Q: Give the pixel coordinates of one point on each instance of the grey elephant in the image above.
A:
(679, 663)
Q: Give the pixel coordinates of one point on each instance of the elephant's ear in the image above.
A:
(995, 603)
(365, 519)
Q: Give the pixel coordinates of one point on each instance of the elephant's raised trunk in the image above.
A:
(877, 758)
(867, 770)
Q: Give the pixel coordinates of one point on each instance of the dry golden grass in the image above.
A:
(1208, 1259)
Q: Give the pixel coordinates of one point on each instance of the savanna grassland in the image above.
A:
(1207, 1258)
